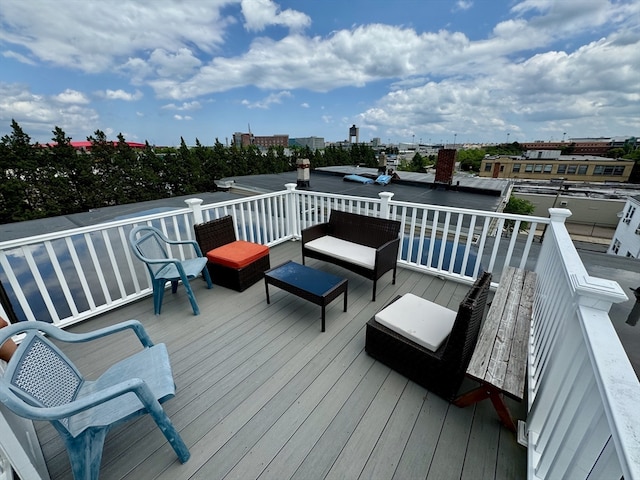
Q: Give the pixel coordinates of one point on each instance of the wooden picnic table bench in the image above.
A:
(499, 361)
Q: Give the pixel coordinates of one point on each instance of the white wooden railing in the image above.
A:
(70, 276)
(467, 234)
(583, 420)
(583, 394)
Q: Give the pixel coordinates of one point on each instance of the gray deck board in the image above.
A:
(263, 393)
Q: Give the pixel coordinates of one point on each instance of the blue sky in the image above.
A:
(402, 70)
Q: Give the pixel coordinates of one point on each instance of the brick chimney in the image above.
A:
(446, 164)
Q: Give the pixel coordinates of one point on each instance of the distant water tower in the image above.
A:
(354, 132)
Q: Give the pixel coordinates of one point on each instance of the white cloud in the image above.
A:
(40, 113)
(182, 117)
(434, 81)
(173, 64)
(98, 36)
(71, 96)
(265, 103)
(559, 89)
(464, 4)
(19, 57)
(259, 14)
(120, 94)
(195, 105)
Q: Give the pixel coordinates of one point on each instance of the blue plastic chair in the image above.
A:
(152, 247)
(41, 383)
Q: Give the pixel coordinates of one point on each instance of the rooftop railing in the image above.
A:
(583, 394)
(582, 389)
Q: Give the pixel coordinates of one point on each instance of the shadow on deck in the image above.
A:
(262, 393)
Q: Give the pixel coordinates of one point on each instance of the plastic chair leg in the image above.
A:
(85, 453)
(192, 297)
(170, 432)
(158, 295)
(207, 277)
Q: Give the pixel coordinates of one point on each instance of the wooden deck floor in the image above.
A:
(262, 393)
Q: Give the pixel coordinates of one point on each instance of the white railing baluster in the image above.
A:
(98, 269)
(443, 240)
(18, 291)
(64, 284)
(75, 259)
(40, 284)
(607, 464)
(496, 245)
(468, 247)
(129, 259)
(114, 263)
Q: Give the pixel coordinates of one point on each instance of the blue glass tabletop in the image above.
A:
(307, 278)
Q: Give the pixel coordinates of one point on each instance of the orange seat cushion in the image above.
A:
(237, 254)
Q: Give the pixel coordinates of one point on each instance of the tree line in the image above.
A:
(39, 181)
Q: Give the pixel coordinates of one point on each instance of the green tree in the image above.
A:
(470, 160)
(109, 191)
(417, 163)
(519, 206)
(72, 182)
(19, 199)
(204, 182)
(505, 149)
(153, 177)
(615, 152)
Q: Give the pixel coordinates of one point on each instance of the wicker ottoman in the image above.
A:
(235, 264)
(238, 265)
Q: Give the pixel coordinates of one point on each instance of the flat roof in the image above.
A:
(466, 191)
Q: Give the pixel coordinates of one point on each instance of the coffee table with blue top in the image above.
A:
(316, 286)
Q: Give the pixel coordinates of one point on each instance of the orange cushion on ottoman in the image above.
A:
(237, 254)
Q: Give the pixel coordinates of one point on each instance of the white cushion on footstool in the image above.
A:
(424, 322)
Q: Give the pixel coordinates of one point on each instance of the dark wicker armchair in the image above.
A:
(232, 263)
(441, 371)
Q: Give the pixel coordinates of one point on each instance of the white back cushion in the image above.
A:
(424, 322)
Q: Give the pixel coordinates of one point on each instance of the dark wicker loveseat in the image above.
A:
(441, 371)
(218, 233)
(379, 234)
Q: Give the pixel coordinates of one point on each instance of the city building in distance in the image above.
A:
(550, 165)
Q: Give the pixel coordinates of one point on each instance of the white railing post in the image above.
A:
(291, 213)
(384, 204)
(195, 204)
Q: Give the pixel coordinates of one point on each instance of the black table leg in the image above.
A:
(266, 288)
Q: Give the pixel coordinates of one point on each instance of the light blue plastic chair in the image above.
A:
(152, 247)
(41, 383)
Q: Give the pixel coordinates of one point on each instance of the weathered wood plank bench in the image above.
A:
(499, 361)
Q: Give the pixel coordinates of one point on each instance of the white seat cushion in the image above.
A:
(424, 322)
(344, 250)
